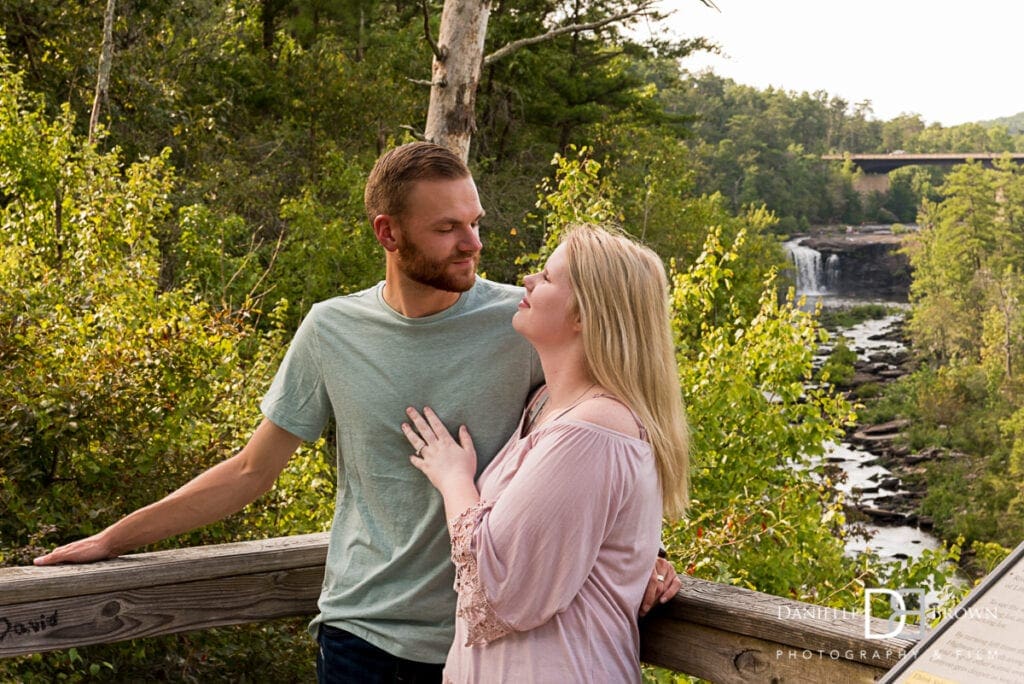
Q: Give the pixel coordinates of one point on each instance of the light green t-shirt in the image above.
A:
(389, 576)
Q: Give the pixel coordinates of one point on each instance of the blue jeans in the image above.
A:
(344, 658)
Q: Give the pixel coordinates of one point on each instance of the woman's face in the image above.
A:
(546, 313)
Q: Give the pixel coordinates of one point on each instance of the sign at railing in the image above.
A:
(980, 641)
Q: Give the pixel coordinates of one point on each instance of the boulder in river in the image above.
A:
(883, 516)
(878, 437)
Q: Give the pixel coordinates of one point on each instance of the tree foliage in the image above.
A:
(106, 379)
(967, 322)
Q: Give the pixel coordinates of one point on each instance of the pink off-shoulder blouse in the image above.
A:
(553, 562)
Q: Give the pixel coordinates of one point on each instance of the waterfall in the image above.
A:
(811, 276)
(832, 273)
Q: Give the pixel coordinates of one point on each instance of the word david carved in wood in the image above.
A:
(15, 629)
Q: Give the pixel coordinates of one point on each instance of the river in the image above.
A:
(865, 480)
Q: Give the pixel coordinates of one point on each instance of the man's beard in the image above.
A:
(425, 271)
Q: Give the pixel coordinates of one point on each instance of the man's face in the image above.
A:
(438, 234)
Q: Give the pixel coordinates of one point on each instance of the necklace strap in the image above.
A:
(533, 418)
(536, 408)
(579, 400)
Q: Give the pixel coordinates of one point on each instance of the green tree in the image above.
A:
(897, 133)
(106, 378)
(950, 256)
(764, 147)
(966, 322)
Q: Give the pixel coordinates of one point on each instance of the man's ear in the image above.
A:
(384, 229)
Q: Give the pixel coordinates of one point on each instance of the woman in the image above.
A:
(553, 551)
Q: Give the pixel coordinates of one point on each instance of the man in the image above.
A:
(432, 333)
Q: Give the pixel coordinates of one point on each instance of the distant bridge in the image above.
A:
(884, 163)
(877, 166)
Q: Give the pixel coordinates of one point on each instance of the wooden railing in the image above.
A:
(717, 632)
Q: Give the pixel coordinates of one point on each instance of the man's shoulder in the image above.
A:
(494, 285)
(352, 302)
(493, 291)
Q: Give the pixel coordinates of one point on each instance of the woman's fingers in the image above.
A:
(465, 440)
(414, 439)
(424, 429)
(436, 425)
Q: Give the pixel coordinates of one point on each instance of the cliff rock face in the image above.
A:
(869, 265)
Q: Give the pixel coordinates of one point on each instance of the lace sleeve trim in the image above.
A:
(483, 624)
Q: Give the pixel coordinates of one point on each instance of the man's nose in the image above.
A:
(471, 241)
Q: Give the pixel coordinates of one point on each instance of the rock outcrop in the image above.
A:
(868, 265)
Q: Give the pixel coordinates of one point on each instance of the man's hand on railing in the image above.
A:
(663, 585)
(86, 550)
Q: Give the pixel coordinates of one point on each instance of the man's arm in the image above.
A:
(216, 493)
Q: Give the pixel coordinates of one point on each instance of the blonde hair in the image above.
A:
(621, 295)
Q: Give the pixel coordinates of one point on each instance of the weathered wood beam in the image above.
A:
(146, 594)
(718, 632)
(730, 634)
(725, 657)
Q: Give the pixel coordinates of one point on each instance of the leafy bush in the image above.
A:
(761, 515)
(105, 378)
(838, 367)
(848, 316)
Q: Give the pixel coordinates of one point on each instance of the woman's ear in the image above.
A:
(577, 320)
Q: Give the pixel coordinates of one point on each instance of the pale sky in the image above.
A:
(949, 61)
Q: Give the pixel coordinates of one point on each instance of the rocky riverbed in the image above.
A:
(883, 479)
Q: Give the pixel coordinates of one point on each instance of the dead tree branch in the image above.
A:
(439, 53)
(506, 50)
(103, 78)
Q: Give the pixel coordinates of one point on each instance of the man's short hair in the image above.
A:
(398, 168)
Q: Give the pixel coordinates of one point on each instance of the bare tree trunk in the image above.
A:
(1006, 305)
(103, 78)
(459, 55)
(450, 118)
(361, 36)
